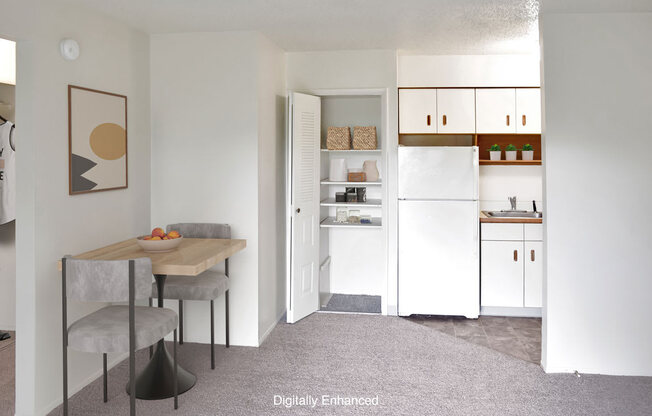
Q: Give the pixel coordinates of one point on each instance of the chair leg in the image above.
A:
(151, 347)
(180, 322)
(105, 377)
(65, 379)
(176, 379)
(212, 335)
(226, 316)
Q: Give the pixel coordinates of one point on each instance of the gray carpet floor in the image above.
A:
(353, 303)
(411, 368)
(7, 375)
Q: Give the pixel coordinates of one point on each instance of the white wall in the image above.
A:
(499, 182)
(468, 71)
(598, 288)
(218, 137)
(359, 70)
(205, 159)
(50, 223)
(271, 185)
(7, 231)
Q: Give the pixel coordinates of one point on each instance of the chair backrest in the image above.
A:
(107, 280)
(201, 230)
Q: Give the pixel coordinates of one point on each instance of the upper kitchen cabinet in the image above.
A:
(456, 111)
(417, 111)
(528, 110)
(495, 110)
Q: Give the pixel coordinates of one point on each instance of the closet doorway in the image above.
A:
(7, 226)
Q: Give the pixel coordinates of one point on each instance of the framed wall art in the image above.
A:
(97, 140)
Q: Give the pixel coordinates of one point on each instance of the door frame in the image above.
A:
(391, 282)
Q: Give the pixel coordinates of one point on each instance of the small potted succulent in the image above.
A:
(510, 152)
(494, 152)
(528, 152)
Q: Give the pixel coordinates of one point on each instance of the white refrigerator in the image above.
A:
(438, 231)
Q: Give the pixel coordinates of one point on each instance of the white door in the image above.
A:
(495, 110)
(438, 172)
(417, 111)
(502, 273)
(533, 274)
(304, 137)
(438, 258)
(528, 110)
(455, 110)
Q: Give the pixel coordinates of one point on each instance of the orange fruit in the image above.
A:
(158, 232)
(155, 238)
(174, 234)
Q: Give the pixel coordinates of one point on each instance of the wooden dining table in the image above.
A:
(192, 257)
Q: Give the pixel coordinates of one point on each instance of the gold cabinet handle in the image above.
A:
(515, 255)
(443, 119)
(532, 255)
(428, 119)
(508, 119)
(524, 120)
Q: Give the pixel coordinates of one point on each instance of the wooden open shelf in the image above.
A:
(510, 162)
(484, 142)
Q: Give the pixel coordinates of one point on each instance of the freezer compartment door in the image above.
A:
(438, 172)
(439, 270)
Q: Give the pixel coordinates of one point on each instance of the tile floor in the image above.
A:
(518, 337)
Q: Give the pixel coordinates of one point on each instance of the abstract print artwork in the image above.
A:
(97, 139)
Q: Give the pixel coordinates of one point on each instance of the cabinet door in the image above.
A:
(456, 111)
(528, 110)
(417, 111)
(501, 273)
(533, 274)
(495, 109)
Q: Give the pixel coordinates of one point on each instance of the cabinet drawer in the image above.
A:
(502, 232)
(533, 232)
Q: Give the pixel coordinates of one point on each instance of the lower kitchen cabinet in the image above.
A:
(502, 273)
(511, 266)
(533, 277)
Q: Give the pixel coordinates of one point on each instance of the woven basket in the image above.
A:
(338, 138)
(364, 138)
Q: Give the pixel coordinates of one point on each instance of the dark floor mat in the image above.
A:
(353, 303)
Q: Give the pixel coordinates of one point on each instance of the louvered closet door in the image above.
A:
(304, 143)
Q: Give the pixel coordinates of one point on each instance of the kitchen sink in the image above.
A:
(514, 214)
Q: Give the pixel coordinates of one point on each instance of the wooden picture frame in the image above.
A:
(97, 141)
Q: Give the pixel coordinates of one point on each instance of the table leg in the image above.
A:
(157, 379)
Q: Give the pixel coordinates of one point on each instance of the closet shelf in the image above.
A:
(371, 203)
(329, 222)
(352, 151)
(327, 182)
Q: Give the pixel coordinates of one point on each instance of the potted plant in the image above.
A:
(494, 152)
(528, 152)
(510, 152)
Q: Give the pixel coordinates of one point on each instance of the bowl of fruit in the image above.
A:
(159, 242)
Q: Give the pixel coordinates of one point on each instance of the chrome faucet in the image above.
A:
(512, 201)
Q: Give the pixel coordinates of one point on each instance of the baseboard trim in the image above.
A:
(269, 330)
(77, 388)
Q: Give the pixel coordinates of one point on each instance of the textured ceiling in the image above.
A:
(420, 26)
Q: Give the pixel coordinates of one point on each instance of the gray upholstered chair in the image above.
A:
(114, 328)
(207, 286)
